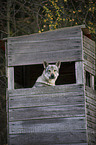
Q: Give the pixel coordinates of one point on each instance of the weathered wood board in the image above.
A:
(47, 115)
(62, 44)
(89, 55)
(91, 114)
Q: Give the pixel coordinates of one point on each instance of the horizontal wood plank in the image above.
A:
(91, 118)
(38, 58)
(89, 59)
(47, 125)
(89, 41)
(89, 69)
(52, 45)
(74, 137)
(50, 35)
(91, 65)
(46, 112)
(62, 44)
(89, 52)
(91, 113)
(90, 106)
(46, 100)
(91, 125)
(47, 90)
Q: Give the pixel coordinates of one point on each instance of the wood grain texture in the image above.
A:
(50, 35)
(47, 115)
(91, 114)
(62, 44)
(89, 55)
(89, 69)
(45, 90)
(38, 58)
(46, 99)
(46, 112)
(79, 72)
(62, 138)
(10, 71)
(44, 46)
(47, 125)
(90, 42)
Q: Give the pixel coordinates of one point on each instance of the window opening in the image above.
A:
(88, 79)
(26, 76)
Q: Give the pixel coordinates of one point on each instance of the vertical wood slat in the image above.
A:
(79, 72)
(10, 71)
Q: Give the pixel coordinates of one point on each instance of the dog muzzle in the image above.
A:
(52, 76)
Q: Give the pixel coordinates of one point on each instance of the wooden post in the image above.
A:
(92, 82)
(10, 78)
(79, 72)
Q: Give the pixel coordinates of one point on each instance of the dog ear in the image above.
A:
(45, 64)
(58, 64)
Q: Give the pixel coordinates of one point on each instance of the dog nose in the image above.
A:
(52, 75)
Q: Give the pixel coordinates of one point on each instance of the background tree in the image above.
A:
(31, 16)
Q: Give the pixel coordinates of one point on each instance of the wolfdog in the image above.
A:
(49, 75)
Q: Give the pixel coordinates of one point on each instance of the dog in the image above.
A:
(49, 75)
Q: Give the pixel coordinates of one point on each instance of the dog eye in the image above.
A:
(55, 70)
(49, 70)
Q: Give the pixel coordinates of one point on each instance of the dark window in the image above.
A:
(87, 79)
(25, 76)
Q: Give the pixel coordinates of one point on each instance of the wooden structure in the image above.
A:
(63, 114)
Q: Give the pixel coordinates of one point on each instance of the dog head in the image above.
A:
(51, 71)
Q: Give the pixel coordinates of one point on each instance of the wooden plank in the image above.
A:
(89, 69)
(89, 52)
(89, 58)
(91, 65)
(79, 72)
(47, 90)
(92, 125)
(90, 95)
(88, 46)
(46, 112)
(92, 82)
(44, 46)
(91, 136)
(38, 58)
(91, 118)
(90, 106)
(47, 125)
(10, 71)
(90, 42)
(46, 100)
(91, 101)
(60, 138)
(51, 35)
(91, 113)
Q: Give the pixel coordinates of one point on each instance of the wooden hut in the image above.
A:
(54, 115)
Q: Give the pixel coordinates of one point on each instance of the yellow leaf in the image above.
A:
(65, 0)
(79, 10)
(44, 20)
